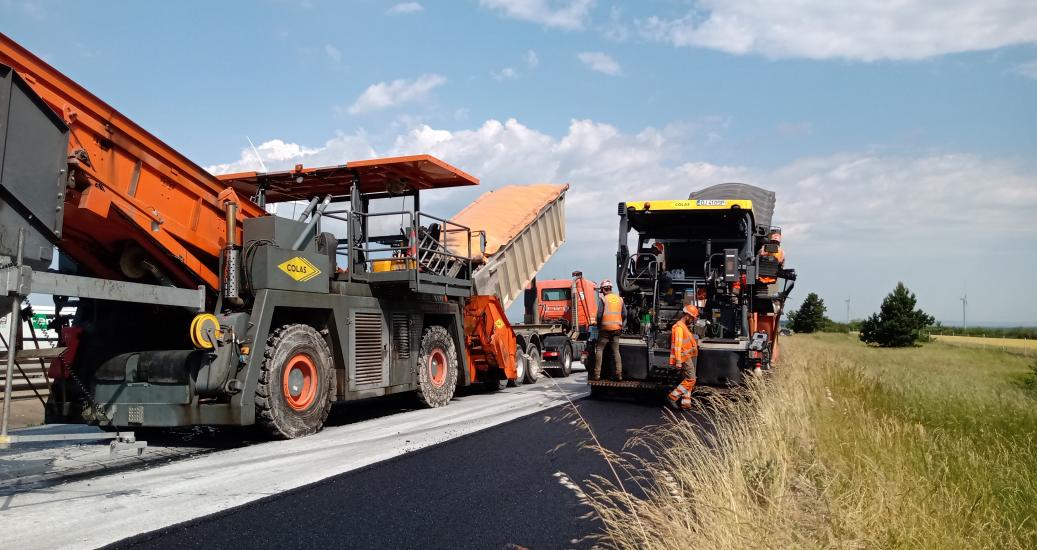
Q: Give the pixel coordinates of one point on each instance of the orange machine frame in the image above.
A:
(126, 183)
(127, 187)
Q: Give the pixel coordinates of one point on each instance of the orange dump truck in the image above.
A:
(515, 230)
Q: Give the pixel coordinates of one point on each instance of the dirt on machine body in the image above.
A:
(196, 306)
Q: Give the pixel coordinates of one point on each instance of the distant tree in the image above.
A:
(811, 315)
(897, 324)
(836, 326)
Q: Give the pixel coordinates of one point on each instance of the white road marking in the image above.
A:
(108, 508)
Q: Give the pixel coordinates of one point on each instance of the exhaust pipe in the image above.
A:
(230, 288)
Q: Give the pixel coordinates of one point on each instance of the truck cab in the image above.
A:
(559, 314)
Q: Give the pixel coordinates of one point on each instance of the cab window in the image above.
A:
(555, 294)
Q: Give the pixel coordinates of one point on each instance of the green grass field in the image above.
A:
(849, 446)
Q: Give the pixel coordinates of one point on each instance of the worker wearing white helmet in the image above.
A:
(684, 354)
(611, 317)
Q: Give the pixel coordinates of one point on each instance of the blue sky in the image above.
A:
(900, 138)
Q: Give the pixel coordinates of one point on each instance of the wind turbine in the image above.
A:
(964, 305)
(847, 315)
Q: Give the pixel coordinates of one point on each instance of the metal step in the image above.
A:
(31, 354)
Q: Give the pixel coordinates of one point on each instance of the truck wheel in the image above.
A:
(521, 369)
(534, 365)
(296, 383)
(437, 367)
(567, 362)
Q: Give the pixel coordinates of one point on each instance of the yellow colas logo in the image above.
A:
(299, 269)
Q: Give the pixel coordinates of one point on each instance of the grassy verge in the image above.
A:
(848, 447)
(1026, 346)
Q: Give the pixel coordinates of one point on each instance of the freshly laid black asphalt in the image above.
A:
(485, 490)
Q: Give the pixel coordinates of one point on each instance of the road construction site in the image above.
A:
(189, 475)
(228, 357)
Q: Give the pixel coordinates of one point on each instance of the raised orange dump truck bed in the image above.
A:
(522, 226)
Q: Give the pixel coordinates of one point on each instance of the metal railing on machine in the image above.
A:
(425, 245)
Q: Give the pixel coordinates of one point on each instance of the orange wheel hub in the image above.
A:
(299, 382)
(437, 367)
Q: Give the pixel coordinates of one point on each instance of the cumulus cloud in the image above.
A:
(279, 155)
(854, 222)
(819, 29)
(562, 14)
(390, 94)
(600, 62)
(405, 8)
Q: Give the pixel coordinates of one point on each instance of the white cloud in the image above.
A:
(389, 94)
(854, 222)
(868, 31)
(507, 73)
(616, 29)
(562, 14)
(601, 63)
(405, 8)
(531, 59)
(1027, 69)
(334, 53)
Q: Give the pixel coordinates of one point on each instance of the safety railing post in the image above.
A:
(12, 347)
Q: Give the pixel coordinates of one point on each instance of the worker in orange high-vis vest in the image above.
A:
(684, 355)
(611, 317)
(779, 254)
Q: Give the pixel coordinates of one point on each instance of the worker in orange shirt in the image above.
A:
(775, 238)
(684, 355)
(611, 317)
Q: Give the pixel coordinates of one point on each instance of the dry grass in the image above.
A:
(1024, 345)
(848, 447)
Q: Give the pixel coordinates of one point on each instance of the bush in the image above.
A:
(898, 323)
(836, 326)
(810, 317)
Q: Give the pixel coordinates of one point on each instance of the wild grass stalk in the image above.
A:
(847, 446)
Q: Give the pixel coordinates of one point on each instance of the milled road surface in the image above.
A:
(481, 472)
(489, 489)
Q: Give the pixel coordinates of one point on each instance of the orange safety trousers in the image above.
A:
(681, 395)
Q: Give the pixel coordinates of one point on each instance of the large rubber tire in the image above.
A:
(521, 368)
(436, 367)
(534, 365)
(567, 362)
(296, 383)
